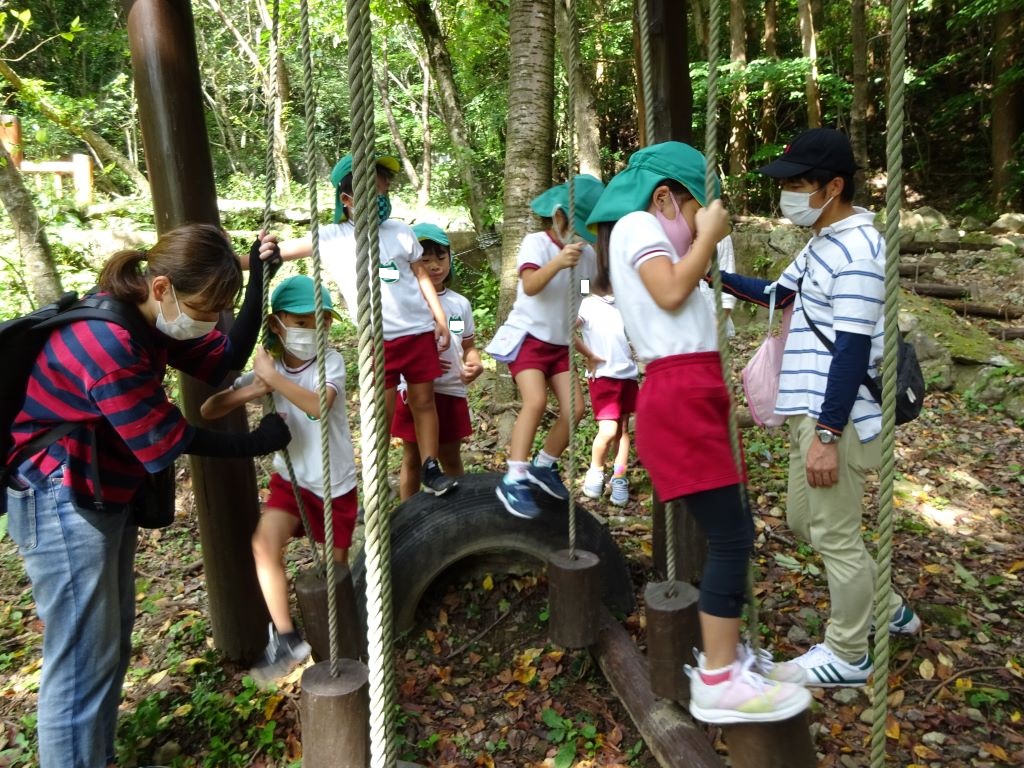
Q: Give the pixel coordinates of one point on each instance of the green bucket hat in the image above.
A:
(587, 191)
(431, 232)
(344, 168)
(630, 190)
(297, 296)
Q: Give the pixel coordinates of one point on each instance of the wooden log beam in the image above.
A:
(937, 290)
(1007, 334)
(673, 738)
(1003, 312)
(916, 246)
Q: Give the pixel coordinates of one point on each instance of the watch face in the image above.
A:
(826, 437)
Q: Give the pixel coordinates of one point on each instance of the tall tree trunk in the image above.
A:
(673, 95)
(428, 139)
(396, 134)
(808, 40)
(450, 104)
(739, 129)
(588, 132)
(73, 125)
(43, 282)
(1007, 106)
(528, 145)
(859, 107)
(769, 128)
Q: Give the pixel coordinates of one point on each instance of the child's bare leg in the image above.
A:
(389, 405)
(720, 638)
(424, 417)
(409, 475)
(533, 393)
(450, 456)
(622, 454)
(341, 555)
(558, 438)
(607, 430)
(273, 532)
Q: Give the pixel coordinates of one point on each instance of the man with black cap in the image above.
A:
(836, 337)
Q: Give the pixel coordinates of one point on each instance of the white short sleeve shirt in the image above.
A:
(605, 335)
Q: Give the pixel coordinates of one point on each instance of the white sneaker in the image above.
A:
(765, 665)
(823, 669)
(746, 697)
(593, 483)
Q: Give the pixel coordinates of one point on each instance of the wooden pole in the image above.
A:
(166, 71)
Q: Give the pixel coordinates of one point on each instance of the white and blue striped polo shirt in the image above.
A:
(843, 270)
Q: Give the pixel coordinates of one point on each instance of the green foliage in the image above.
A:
(568, 734)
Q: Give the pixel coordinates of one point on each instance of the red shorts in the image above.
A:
(538, 355)
(611, 398)
(682, 426)
(414, 357)
(452, 419)
(343, 511)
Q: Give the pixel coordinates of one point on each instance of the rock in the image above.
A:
(924, 217)
(846, 695)
(971, 224)
(934, 739)
(1008, 223)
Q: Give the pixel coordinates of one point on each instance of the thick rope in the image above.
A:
(374, 425)
(268, 203)
(321, 338)
(574, 296)
(724, 351)
(646, 71)
(893, 199)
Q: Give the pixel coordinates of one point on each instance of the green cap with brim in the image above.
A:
(431, 232)
(631, 189)
(344, 168)
(296, 295)
(586, 191)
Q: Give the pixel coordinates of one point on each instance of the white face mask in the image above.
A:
(183, 327)
(796, 206)
(300, 343)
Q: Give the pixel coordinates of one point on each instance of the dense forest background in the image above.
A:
(443, 82)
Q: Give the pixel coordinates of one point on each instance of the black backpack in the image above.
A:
(21, 340)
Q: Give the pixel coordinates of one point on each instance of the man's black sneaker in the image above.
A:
(434, 480)
(282, 653)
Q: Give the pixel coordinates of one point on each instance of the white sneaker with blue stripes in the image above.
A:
(823, 669)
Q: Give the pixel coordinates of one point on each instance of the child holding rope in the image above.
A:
(287, 370)
(534, 342)
(655, 241)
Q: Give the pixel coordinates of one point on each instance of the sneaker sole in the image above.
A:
(730, 716)
(434, 492)
(592, 494)
(621, 502)
(553, 493)
(816, 683)
(511, 511)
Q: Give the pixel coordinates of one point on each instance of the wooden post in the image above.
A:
(10, 135)
(574, 597)
(166, 73)
(335, 712)
(82, 177)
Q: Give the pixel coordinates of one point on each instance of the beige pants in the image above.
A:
(829, 519)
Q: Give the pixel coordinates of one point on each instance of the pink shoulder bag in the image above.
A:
(761, 374)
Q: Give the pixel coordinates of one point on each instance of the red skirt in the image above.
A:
(682, 426)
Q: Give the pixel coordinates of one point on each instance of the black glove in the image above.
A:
(271, 435)
(256, 263)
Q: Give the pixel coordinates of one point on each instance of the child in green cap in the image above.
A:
(415, 330)
(534, 342)
(655, 241)
(460, 363)
(287, 370)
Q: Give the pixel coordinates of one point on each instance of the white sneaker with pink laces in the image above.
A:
(745, 697)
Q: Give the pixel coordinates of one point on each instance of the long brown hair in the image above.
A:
(196, 258)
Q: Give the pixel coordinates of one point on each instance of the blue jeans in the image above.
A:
(81, 564)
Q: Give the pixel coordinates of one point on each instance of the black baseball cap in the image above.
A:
(823, 149)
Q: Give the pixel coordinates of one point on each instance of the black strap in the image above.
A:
(869, 383)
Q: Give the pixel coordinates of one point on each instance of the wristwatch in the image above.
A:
(826, 436)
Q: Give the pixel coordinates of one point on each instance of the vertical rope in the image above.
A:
(724, 351)
(321, 337)
(893, 199)
(268, 203)
(646, 70)
(574, 297)
(371, 394)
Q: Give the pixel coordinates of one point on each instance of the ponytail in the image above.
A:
(123, 277)
(603, 281)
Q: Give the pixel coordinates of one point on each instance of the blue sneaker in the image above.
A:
(548, 480)
(518, 498)
(620, 491)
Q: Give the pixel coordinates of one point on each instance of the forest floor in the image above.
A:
(480, 684)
